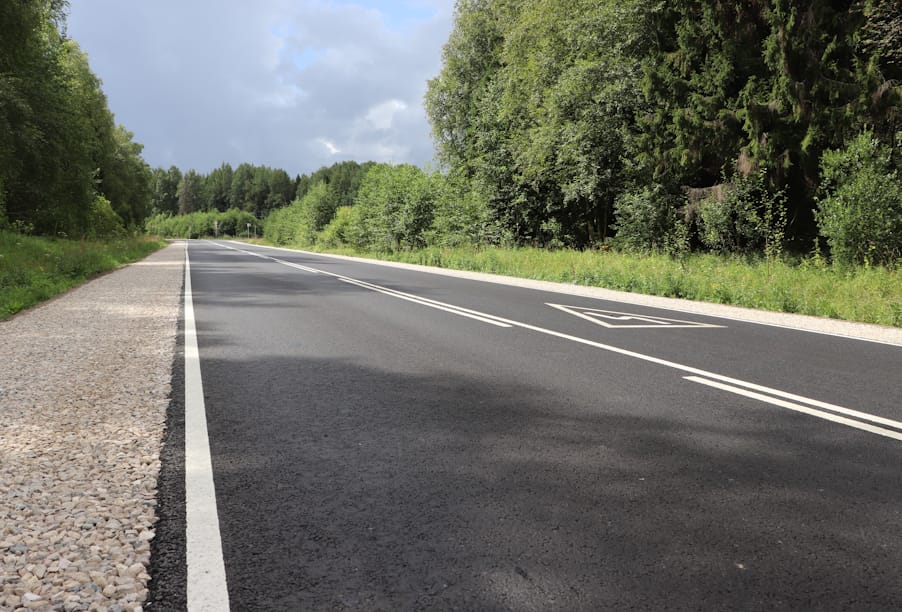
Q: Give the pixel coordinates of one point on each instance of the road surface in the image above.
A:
(385, 439)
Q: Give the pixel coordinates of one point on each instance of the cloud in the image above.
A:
(288, 84)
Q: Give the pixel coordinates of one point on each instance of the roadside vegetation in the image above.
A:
(440, 224)
(724, 151)
(745, 153)
(33, 269)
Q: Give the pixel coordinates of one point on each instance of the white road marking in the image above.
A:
(601, 317)
(717, 311)
(725, 382)
(207, 589)
(896, 435)
(421, 301)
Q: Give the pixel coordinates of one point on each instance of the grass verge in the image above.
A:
(806, 286)
(33, 269)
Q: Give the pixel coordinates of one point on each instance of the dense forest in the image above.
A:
(66, 167)
(581, 119)
(733, 127)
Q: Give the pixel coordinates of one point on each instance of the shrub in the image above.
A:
(103, 222)
(395, 206)
(859, 211)
(288, 225)
(747, 218)
(644, 219)
(462, 214)
(337, 233)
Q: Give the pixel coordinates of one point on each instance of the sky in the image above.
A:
(292, 84)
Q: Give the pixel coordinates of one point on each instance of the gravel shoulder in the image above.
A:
(85, 385)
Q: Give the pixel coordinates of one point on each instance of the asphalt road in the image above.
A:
(384, 439)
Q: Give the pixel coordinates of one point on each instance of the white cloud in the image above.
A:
(209, 81)
(382, 115)
(330, 146)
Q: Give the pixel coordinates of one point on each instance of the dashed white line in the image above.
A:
(207, 590)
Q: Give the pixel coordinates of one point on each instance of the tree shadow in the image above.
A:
(353, 487)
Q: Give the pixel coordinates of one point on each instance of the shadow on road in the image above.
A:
(357, 488)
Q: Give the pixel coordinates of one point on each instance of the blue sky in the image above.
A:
(285, 83)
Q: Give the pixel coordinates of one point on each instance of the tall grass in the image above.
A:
(34, 269)
(804, 286)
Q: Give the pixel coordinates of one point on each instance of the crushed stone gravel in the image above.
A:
(84, 389)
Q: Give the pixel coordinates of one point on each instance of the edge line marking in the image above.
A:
(798, 408)
(206, 584)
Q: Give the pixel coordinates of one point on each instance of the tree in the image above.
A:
(239, 194)
(125, 178)
(280, 190)
(394, 207)
(218, 187)
(59, 147)
(190, 192)
(164, 190)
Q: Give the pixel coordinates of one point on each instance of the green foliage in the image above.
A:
(744, 217)
(561, 109)
(462, 214)
(33, 269)
(104, 222)
(338, 232)
(321, 203)
(217, 187)
(870, 295)
(190, 193)
(165, 190)
(394, 207)
(290, 225)
(645, 218)
(232, 222)
(342, 178)
(531, 101)
(860, 211)
(299, 223)
(59, 145)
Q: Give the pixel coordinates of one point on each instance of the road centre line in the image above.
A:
(206, 580)
(798, 408)
(463, 312)
(726, 383)
(422, 302)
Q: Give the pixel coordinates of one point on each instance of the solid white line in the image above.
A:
(798, 408)
(669, 364)
(206, 586)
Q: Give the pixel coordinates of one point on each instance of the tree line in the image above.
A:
(66, 167)
(226, 200)
(732, 127)
(723, 125)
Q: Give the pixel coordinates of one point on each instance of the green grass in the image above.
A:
(34, 269)
(867, 295)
